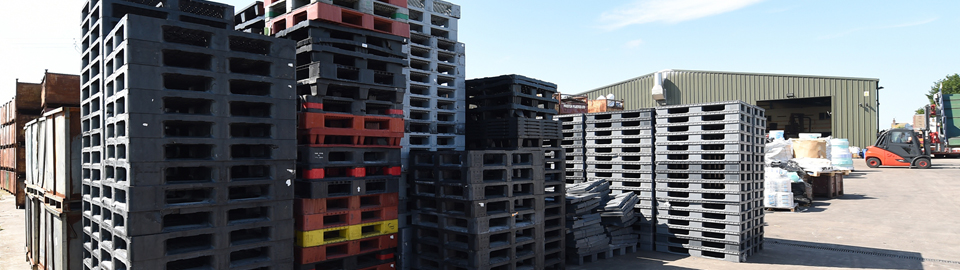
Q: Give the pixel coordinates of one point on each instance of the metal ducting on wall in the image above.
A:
(658, 92)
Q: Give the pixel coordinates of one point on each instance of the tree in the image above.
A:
(951, 85)
(920, 111)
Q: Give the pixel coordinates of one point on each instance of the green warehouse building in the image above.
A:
(842, 107)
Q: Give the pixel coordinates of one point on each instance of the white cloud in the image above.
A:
(634, 43)
(854, 30)
(782, 9)
(930, 20)
(668, 11)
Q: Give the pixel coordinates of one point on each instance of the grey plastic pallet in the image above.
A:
(619, 124)
(574, 166)
(708, 177)
(710, 217)
(619, 141)
(710, 187)
(709, 147)
(710, 207)
(737, 167)
(708, 127)
(721, 237)
(718, 197)
(638, 114)
(708, 137)
(620, 150)
(632, 185)
(697, 157)
(714, 227)
(619, 167)
(613, 157)
(706, 117)
(569, 118)
(623, 177)
(707, 254)
(628, 133)
(723, 106)
(709, 244)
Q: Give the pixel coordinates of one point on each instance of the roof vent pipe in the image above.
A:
(659, 95)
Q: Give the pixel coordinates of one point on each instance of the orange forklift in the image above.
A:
(899, 147)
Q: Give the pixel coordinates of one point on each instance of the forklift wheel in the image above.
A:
(923, 163)
(873, 162)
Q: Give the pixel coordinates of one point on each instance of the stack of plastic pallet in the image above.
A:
(500, 206)
(574, 144)
(434, 106)
(586, 237)
(351, 85)
(251, 19)
(435, 102)
(187, 162)
(484, 210)
(710, 180)
(619, 149)
(618, 217)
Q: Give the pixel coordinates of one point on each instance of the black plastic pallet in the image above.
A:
(347, 156)
(308, 33)
(350, 105)
(514, 128)
(316, 189)
(361, 261)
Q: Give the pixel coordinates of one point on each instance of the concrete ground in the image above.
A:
(890, 218)
(12, 253)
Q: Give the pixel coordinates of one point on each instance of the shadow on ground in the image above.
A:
(775, 254)
(636, 260)
(800, 253)
(854, 197)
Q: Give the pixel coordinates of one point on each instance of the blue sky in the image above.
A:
(584, 45)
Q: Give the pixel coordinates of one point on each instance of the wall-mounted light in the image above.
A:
(789, 95)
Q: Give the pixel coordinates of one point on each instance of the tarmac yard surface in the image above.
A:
(889, 218)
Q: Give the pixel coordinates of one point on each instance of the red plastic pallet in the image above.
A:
(343, 16)
(335, 172)
(326, 137)
(310, 120)
(320, 206)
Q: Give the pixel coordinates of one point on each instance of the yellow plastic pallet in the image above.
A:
(346, 233)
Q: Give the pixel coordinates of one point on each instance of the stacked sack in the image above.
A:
(776, 188)
(840, 156)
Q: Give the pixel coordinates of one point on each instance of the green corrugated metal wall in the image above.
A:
(850, 120)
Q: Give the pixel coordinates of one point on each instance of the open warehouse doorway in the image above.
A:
(799, 115)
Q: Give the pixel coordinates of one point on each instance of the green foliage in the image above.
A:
(951, 85)
(920, 111)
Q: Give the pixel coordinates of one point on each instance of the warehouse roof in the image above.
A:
(733, 73)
